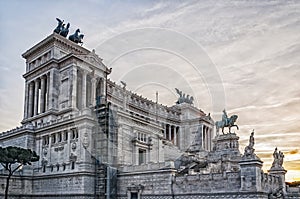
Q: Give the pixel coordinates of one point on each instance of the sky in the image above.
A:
(238, 55)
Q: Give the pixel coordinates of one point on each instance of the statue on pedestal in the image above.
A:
(226, 122)
(278, 159)
(249, 150)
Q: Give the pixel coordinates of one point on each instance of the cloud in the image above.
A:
(294, 151)
(253, 45)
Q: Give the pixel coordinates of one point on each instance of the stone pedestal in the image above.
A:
(251, 174)
(226, 145)
(279, 172)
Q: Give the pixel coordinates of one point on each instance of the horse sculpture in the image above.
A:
(184, 99)
(76, 37)
(230, 123)
(59, 26)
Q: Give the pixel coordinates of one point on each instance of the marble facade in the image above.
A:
(96, 139)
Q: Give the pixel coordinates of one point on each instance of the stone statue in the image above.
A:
(249, 150)
(61, 29)
(59, 26)
(76, 37)
(65, 30)
(225, 117)
(278, 159)
(251, 139)
(226, 122)
(184, 99)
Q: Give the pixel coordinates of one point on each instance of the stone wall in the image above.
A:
(18, 184)
(207, 183)
(164, 184)
(75, 186)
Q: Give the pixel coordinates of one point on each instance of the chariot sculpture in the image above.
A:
(184, 99)
(64, 31)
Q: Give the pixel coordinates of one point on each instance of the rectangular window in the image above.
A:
(142, 156)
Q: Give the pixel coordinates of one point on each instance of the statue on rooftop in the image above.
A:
(76, 37)
(59, 26)
(184, 99)
(278, 159)
(249, 150)
(65, 30)
(226, 122)
(61, 29)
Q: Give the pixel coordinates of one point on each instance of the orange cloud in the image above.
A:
(294, 151)
(292, 165)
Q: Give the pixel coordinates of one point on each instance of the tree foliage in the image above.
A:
(11, 155)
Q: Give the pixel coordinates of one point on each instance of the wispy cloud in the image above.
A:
(254, 47)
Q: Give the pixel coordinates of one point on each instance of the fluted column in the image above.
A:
(26, 100)
(43, 94)
(165, 131)
(93, 91)
(175, 135)
(30, 99)
(36, 97)
(47, 91)
(170, 132)
(203, 137)
(84, 74)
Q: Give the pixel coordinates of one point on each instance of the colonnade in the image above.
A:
(88, 89)
(41, 93)
(37, 96)
(206, 138)
(171, 132)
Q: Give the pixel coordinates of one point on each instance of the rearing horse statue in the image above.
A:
(229, 123)
(76, 37)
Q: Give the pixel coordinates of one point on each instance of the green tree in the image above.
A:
(11, 155)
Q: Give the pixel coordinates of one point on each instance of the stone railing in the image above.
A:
(146, 105)
(16, 130)
(208, 183)
(148, 167)
(38, 124)
(269, 182)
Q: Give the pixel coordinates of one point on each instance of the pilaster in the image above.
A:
(84, 74)
(74, 87)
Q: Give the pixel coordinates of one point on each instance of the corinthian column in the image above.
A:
(26, 101)
(36, 97)
(43, 94)
(30, 100)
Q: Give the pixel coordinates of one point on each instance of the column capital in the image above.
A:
(37, 80)
(85, 72)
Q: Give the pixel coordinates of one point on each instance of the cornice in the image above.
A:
(54, 39)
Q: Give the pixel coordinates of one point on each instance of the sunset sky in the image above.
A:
(240, 55)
